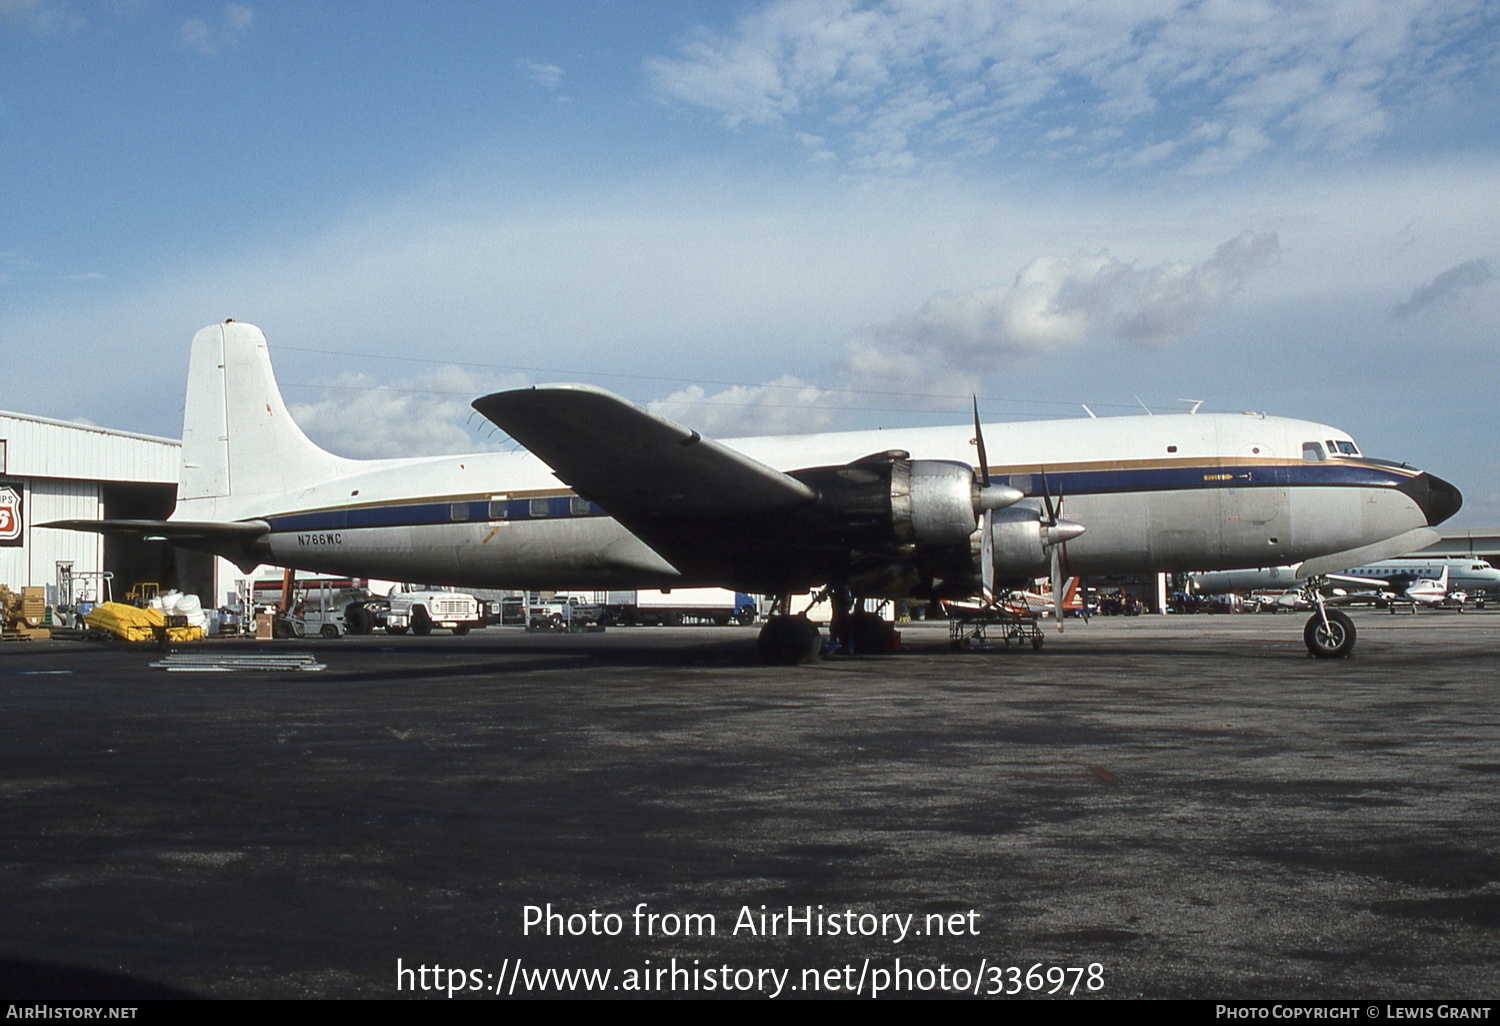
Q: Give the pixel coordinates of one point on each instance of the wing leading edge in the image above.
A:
(172, 530)
(635, 464)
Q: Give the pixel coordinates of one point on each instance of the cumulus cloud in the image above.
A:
(1443, 289)
(1055, 304)
(197, 35)
(548, 76)
(39, 17)
(787, 405)
(1203, 85)
(426, 415)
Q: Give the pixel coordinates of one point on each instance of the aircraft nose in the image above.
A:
(1437, 499)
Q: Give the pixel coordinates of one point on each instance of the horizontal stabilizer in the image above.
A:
(172, 530)
(1401, 545)
(636, 464)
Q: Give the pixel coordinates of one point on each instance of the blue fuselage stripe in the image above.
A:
(1059, 483)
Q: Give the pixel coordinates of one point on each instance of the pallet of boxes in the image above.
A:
(22, 615)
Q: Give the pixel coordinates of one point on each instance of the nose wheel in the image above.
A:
(1329, 634)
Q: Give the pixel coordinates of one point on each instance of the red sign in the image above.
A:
(10, 516)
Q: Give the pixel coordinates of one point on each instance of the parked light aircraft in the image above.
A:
(610, 496)
(1043, 602)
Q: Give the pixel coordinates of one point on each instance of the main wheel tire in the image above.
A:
(421, 623)
(790, 641)
(358, 619)
(1332, 640)
(461, 629)
(871, 635)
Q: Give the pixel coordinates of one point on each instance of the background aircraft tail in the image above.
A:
(237, 437)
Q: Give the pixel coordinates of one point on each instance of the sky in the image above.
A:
(764, 217)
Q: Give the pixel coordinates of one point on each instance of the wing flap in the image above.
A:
(634, 463)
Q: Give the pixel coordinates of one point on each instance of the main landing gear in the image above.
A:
(853, 630)
(789, 640)
(1329, 634)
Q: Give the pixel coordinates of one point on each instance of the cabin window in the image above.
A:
(458, 511)
(578, 506)
(499, 509)
(1312, 451)
(1171, 448)
(539, 507)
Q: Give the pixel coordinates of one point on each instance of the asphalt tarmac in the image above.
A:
(1158, 807)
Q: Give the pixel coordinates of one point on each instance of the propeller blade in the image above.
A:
(987, 555)
(1057, 586)
(1047, 501)
(984, 459)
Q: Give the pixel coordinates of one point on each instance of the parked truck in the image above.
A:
(564, 613)
(680, 606)
(420, 610)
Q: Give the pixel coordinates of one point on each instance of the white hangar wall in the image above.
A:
(66, 471)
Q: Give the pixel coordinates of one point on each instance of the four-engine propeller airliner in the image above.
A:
(611, 496)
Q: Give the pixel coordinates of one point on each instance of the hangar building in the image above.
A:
(57, 470)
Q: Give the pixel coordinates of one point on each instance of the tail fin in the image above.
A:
(1070, 594)
(237, 437)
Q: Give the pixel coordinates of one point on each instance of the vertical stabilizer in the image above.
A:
(237, 437)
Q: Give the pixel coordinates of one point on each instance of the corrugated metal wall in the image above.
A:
(38, 448)
(35, 561)
(58, 469)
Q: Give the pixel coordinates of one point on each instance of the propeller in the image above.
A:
(990, 497)
(1055, 534)
(986, 518)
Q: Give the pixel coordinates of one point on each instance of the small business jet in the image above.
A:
(610, 496)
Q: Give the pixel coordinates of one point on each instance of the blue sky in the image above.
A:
(763, 216)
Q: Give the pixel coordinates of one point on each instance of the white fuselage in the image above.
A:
(1464, 573)
(1154, 493)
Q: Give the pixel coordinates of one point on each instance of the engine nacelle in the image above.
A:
(889, 522)
(932, 502)
(1020, 542)
(1023, 541)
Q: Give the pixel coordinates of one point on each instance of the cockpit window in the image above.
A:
(1348, 449)
(1312, 451)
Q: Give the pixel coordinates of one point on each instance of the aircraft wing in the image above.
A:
(172, 530)
(635, 464)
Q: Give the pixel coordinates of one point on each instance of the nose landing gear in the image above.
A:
(1329, 634)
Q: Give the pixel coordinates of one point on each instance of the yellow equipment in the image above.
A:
(132, 624)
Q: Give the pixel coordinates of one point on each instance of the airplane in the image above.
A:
(1025, 603)
(1467, 573)
(1422, 591)
(1042, 603)
(610, 496)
